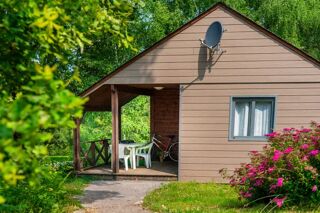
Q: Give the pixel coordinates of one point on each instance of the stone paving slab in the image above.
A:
(116, 196)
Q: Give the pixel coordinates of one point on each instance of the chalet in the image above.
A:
(220, 106)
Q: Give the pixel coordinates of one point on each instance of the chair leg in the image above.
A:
(126, 164)
(146, 160)
(149, 161)
(131, 161)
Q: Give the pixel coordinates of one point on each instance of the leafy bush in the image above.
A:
(286, 172)
(39, 40)
(62, 164)
(53, 194)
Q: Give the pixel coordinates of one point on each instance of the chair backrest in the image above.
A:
(122, 150)
(150, 147)
(145, 148)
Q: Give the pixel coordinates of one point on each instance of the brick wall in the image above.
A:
(165, 112)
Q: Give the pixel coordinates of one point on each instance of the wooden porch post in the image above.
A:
(76, 145)
(152, 100)
(120, 129)
(115, 128)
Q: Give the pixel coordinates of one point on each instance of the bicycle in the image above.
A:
(170, 149)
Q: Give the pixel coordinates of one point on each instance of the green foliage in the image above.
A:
(54, 194)
(295, 21)
(135, 122)
(62, 164)
(41, 105)
(61, 143)
(38, 40)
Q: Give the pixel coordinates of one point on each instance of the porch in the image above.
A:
(159, 171)
(101, 157)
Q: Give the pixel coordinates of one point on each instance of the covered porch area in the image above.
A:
(101, 157)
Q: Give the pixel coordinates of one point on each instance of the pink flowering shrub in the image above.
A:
(285, 172)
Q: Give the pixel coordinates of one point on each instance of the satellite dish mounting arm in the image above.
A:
(212, 49)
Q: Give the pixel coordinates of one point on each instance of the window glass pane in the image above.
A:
(241, 119)
(262, 119)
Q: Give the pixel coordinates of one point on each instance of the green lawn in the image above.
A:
(201, 197)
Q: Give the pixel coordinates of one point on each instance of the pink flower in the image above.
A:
(243, 180)
(277, 155)
(279, 201)
(314, 152)
(306, 130)
(280, 182)
(254, 152)
(271, 169)
(296, 138)
(287, 129)
(247, 195)
(248, 165)
(258, 182)
(314, 188)
(273, 186)
(288, 150)
(304, 146)
(271, 135)
(262, 166)
(305, 158)
(314, 139)
(251, 174)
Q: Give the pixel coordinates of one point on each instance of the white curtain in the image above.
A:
(262, 118)
(241, 119)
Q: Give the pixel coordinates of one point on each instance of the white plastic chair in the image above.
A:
(145, 152)
(124, 155)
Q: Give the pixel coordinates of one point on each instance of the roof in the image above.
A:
(188, 24)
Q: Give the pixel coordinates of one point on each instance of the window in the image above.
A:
(251, 118)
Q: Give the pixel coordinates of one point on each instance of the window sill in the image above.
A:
(262, 139)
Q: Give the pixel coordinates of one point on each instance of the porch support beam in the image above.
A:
(152, 104)
(76, 145)
(135, 90)
(115, 128)
(120, 129)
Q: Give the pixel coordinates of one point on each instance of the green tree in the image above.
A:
(38, 40)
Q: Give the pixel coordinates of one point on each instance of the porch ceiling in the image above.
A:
(100, 99)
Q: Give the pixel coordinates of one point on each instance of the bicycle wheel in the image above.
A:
(174, 152)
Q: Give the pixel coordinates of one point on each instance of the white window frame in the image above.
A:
(252, 100)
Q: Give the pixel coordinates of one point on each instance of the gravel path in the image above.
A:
(116, 196)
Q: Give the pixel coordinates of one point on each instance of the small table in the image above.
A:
(132, 148)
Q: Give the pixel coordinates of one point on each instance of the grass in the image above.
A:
(74, 187)
(202, 197)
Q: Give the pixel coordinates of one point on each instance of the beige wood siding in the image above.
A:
(204, 114)
(250, 57)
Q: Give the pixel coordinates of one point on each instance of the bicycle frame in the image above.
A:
(164, 147)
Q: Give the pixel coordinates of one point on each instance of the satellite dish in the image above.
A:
(213, 36)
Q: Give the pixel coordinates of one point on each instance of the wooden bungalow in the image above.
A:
(219, 106)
